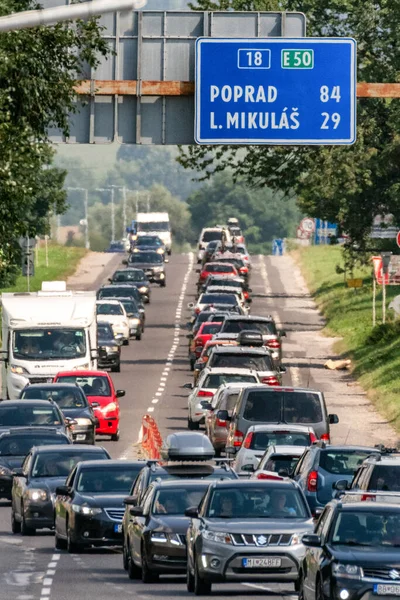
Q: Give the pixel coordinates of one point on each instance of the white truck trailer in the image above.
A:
(45, 332)
(156, 223)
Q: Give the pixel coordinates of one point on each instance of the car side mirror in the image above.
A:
(136, 511)
(198, 270)
(282, 333)
(311, 540)
(333, 419)
(124, 262)
(188, 386)
(70, 422)
(63, 490)
(166, 260)
(340, 485)
(223, 415)
(192, 512)
(190, 305)
(248, 468)
(130, 501)
(120, 393)
(95, 404)
(317, 513)
(110, 280)
(282, 369)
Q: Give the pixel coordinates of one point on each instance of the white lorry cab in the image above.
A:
(156, 223)
(45, 332)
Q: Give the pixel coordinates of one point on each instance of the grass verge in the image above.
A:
(63, 261)
(375, 352)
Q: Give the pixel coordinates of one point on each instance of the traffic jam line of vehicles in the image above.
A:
(254, 491)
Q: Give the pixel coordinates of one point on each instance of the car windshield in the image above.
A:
(210, 236)
(174, 501)
(215, 380)
(256, 503)
(105, 332)
(242, 361)
(154, 226)
(148, 240)
(109, 309)
(129, 275)
(49, 344)
(97, 385)
(277, 462)
(65, 398)
(218, 299)
(130, 307)
(385, 477)
(146, 257)
(108, 480)
(236, 262)
(20, 445)
(367, 528)
(60, 464)
(223, 282)
(236, 326)
(217, 268)
(342, 462)
(116, 292)
(286, 407)
(228, 401)
(210, 328)
(27, 416)
(260, 440)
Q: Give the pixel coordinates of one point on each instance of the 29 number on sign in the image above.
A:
(326, 94)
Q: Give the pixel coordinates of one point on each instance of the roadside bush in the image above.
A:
(383, 334)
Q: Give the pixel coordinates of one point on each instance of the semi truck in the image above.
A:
(46, 332)
(156, 223)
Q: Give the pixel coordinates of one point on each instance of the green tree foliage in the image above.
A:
(38, 70)
(263, 214)
(349, 185)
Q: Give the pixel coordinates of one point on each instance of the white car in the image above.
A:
(208, 234)
(207, 384)
(113, 312)
(238, 291)
(278, 462)
(260, 437)
(219, 300)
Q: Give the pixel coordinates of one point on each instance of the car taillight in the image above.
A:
(313, 438)
(197, 311)
(238, 438)
(246, 295)
(325, 438)
(243, 270)
(368, 498)
(312, 481)
(270, 380)
(272, 344)
(247, 441)
(220, 423)
(205, 394)
(265, 476)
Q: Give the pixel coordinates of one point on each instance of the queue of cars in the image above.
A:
(261, 495)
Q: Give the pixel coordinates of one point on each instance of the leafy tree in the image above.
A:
(38, 70)
(349, 185)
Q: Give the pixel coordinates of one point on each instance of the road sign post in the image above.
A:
(275, 91)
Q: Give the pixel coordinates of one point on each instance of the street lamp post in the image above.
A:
(85, 204)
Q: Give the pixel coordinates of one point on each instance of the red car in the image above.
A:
(216, 268)
(103, 397)
(206, 332)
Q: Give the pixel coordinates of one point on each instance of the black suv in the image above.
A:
(354, 552)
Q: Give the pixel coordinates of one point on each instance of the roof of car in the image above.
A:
(82, 373)
(176, 483)
(232, 349)
(34, 431)
(214, 262)
(71, 448)
(287, 450)
(281, 427)
(282, 388)
(120, 464)
(52, 386)
(348, 448)
(128, 269)
(10, 403)
(284, 483)
(114, 286)
(250, 318)
(341, 504)
(229, 371)
(392, 460)
(108, 300)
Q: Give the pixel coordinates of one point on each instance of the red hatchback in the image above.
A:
(103, 397)
(215, 268)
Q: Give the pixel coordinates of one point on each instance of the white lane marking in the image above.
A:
(11, 541)
(150, 409)
(258, 586)
(56, 557)
(51, 565)
(296, 377)
(48, 581)
(154, 401)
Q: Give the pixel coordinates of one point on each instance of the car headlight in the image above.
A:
(297, 537)
(86, 510)
(349, 571)
(136, 250)
(143, 289)
(216, 536)
(135, 321)
(5, 471)
(157, 269)
(37, 494)
(109, 407)
(18, 370)
(162, 276)
(158, 536)
(83, 421)
(160, 251)
(112, 348)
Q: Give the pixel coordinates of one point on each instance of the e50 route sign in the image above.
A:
(275, 91)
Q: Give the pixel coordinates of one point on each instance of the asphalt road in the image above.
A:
(153, 372)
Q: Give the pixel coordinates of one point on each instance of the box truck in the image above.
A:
(156, 223)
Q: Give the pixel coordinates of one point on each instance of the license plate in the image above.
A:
(118, 528)
(80, 436)
(383, 589)
(255, 563)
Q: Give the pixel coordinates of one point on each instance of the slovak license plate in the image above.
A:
(256, 563)
(118, 528)
(387, 589)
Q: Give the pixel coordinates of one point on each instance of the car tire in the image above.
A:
(115, 437)
(116, 368)
(147, 575)
(319, 592)
(134, 572)
(125, 557)
(72, 547)
(163, 283)
(169, 252)
(189, 580)
(59, 543)
(138, 336)
(218, 452)
(192, 365)
(192, 425)
(126, 342)
(15, 525)
(25, 530)
(202, 587)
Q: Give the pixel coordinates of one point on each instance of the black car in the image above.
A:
(16, 444)
(33, 413)
(354, 553)
(134, 277)
(89, 507)
(34, 485)
(145, 243)
(73, 404)
(152, 264)
(118, 247)
(155, 539)
(109, 348)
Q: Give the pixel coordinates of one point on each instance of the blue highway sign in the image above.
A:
(275, 91)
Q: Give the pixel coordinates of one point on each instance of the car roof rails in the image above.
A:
(320, 444)
(382, 449)
(152, 462)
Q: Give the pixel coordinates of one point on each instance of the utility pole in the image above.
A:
(85, 204)
(124, 211)
(148, 203)
(110, 189)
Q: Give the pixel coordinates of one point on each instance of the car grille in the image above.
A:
(262, 539)
(40, 379)
(115, 514)
(387, 573)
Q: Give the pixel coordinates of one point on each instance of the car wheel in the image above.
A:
(116, 368)
(319, 593)
(189, 580)
(169, 252)
(202, 587)
(72, 547)
(139, 336)
(15, 525)
(59, 543)
(125, 557)
(218, 452)
(192, 365)
(126, 342)
(192, 425)
(115, 437)
(147, 575)
(134, 572)
(25, 530)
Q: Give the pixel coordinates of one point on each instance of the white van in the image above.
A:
(46, 332)
(209, 234)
